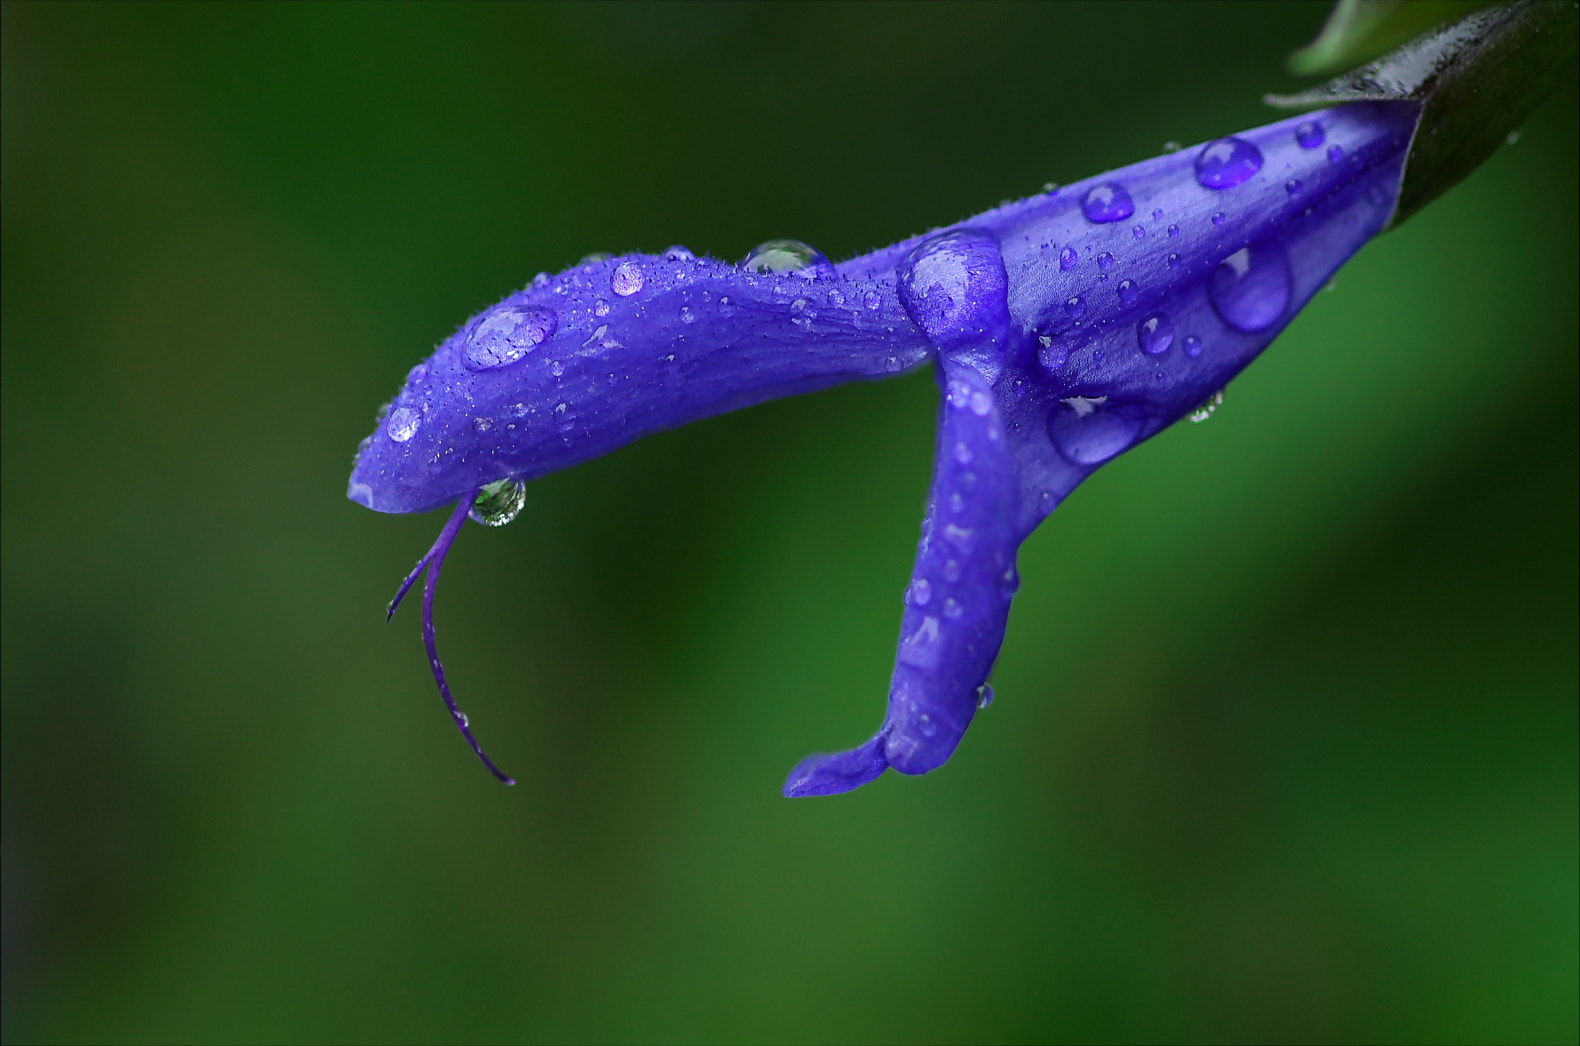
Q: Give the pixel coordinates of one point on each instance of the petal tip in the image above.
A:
(837, 773)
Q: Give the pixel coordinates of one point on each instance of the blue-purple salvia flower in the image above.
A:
(1066, 328)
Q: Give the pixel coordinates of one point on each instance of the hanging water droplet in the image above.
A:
(984, 696)
(627, 279)
(1203, 412)
(1293, 186)
(403, 424)
(506, 335)
(499, 502)
(1128, 291)
(1335, 153)
(1155, 334)
(1171, 146)
(1090, 431)
(1227, 162)
(1105, 260)
(1050, 187)
(1250, 290)
(1192, 345)
(680, 254)
(1310, 134)
(1074, 307)
(1107, 202)
(776, 256)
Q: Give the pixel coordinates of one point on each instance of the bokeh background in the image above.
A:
(1286, 738)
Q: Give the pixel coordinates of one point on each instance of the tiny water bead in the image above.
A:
(1157, 213)
(1293, 186)
(1203, 412)
(402, 424)
(1051, 354)
(499, 502)
(1089, 431)
(1074, 307)
(871, 300)
(506, 335)
(1174, 232)
(600, 308)
(1173, 261)
(984, 696)
(627, 279)
(1139, 233)
(1105, 260)
(1155, 334)
(1107, 202)
(1128, 291)
(1310, 134)
(1219, 218)
(780, 256)
(1227, 162)
(594, 258)
(1335, 153)
(1068, 259)
(1192, 345)
(1250, 289)
(680, 254)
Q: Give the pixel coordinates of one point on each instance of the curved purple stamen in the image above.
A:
(434, 561)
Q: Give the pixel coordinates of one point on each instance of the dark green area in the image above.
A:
(1286, 738)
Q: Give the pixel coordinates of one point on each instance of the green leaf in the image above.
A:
(1360, 30)
(1476, 81)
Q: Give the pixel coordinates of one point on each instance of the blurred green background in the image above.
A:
(1286, 738)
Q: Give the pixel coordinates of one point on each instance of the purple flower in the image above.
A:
(1066, 328)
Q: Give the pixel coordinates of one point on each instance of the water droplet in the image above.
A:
(984, 696)
(1068, 259)
(870, 300)
(1050, 354)
(1192, 345)
(1219, 218)
(461, 717)
(1203, 412)
(1105, 260)
(777, 256)
(541, 279)
(1293, 186)
(481, 425)
(680, 254)
(600, 308)
(1046, 502)
(1090, 431)
(1335, 153)
(1155, 333)
(1174, 232)
(1171, 146)
(627, 279)
(1139, 233)
(1173, 261)
(798, 305)
(595, 258)
(1008, 583)
(686, 315)
(955, 288)
(921, 591)
(981, 404)
(1513, 136)
(499, 502)
(1107, 202)
(925, 724)
(1157, 212)
(556, 368)
(1074, 307)
(957, 503)
(951, 571)
(962, 453)
(1310, 134)
(403, 424)
(1250, 290)
(506, 335)
(952, 608)
(1128, 291)
(1227, 162)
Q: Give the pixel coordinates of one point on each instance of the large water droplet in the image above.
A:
(506, 335)
(1090, 431)
(1227, 162)
(403, 424)
(627, 279)
(1310, 134)
(1155, 333)
(955, 288)
(773, 256)
(1107, 202)
(1250, 290)
(499, 502)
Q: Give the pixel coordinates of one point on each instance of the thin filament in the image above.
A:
(434, 561)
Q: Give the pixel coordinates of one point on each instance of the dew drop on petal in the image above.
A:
(1128, 291)
(1089, 432)
(505, 335)
(954, 287)
(1074, 307)
(594, 258)
(1219, 218)
(984, 696)
(402, 424)
(499, 502)
(1335, 153)
(1227, 162)
(1174, 232)
(1139, 233)
(1155, 333)
(1051, 354)
(781, 256)
(1250, 289)
(870, 300)
(1107, 202)
(1173, 261)
(600, 308)
(1068, 259)
(680, 254)
(627, 279)
(1192, 345)
(1293, 186)
(1105, 260)
(921, 591)
(1310, 134)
